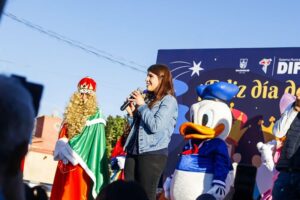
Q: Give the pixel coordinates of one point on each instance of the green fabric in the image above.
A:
(90, 145)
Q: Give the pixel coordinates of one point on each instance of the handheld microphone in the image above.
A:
(126, 103)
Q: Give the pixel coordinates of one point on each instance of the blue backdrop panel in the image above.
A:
(263, 76)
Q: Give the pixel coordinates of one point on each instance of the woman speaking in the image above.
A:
(152, 120)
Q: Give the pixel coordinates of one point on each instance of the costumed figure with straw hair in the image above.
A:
(82, 169)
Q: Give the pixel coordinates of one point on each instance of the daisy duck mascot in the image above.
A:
(204, 167)
(270, 153)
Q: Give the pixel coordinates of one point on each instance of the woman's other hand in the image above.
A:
(130, 108)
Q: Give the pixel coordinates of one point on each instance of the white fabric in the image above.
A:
(189, 185)
(61, 152)
(265, 172)
(219, 182)
(217, 191)
(121, 161)
(283, 124)
(264, 179)
(266, 152)
(95, 121)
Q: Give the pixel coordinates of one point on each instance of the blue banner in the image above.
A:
(263, 75)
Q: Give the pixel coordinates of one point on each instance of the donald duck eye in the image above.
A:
(207, 118)
(204, 119)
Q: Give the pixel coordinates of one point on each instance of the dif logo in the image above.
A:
(288, 66)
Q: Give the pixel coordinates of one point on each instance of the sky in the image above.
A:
(124, 37)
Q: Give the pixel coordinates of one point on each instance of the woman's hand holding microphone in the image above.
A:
(136, 99)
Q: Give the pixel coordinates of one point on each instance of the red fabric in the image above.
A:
(118, 150)
(70, 182)
(89, 82)
(22, 165)
(194, 150)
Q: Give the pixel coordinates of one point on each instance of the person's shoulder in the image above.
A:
(169, 98)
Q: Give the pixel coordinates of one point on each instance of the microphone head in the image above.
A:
(141, 90)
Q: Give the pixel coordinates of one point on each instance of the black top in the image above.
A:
(290, 155)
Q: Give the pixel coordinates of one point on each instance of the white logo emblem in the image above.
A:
(243, 65)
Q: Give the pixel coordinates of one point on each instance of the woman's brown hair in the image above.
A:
(166, 82)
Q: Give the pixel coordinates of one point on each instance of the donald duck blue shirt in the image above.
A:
(211, 157)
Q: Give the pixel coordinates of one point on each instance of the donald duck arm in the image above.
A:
(222, 164)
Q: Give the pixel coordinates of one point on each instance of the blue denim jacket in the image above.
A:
(156, 125)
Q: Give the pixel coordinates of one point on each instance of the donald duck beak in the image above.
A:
(190, 130)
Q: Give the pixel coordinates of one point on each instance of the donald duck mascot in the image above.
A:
(204, 167)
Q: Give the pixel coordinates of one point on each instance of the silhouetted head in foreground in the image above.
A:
(35, 193)
(122, 190)
(2, 3)
(16, 124)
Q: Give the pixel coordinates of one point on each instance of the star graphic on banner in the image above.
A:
(196, 68)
